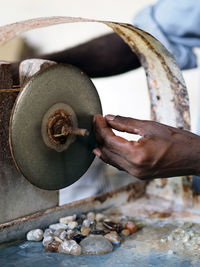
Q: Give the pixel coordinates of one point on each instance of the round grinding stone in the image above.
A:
(43, 166)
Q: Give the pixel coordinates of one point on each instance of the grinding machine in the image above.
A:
(46, 143)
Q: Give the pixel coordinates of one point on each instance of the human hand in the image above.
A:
(162, 151)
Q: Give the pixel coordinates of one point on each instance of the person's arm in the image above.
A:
(162, 151)
(103, 56)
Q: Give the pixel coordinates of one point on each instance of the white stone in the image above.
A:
(35, 235)
(69, 247)
(48, 232)
(99, 217)
(113, 237)
(96, 244)
(57, 239)
(58, 232)
(67, 219)
(185, 238)
(91, 216)
(76, 250)
(47, 240)
(72, 225)
(86, 223)
(62, 235)
(70, 234)
(58, 226)
(64, 247)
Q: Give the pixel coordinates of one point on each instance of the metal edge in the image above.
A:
(17, 229)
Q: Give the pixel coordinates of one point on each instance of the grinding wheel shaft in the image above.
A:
(69, 130)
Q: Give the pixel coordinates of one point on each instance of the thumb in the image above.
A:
(125, 124)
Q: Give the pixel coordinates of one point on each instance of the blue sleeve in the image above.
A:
(176, 24)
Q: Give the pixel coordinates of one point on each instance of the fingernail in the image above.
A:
(97, 152)
(110, 117)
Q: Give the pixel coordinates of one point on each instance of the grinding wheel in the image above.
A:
(47, 114)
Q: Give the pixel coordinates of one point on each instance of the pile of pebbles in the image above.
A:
(91, 233)
(185, 237)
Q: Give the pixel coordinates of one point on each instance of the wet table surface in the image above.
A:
(139, 250)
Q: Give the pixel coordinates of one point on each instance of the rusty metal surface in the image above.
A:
(17, 196)
(5, 75)
(17, 229)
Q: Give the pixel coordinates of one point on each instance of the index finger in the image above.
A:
(125, 124)
(105, 135)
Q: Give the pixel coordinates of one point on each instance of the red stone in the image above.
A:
(131, 227)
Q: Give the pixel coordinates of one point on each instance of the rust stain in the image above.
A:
(160, 215)
(133, 191)
(21, 220)
(7, 100)
(181, 100)
(186, 188)
(163, 182)
(138, 188)
(55, 124)
(195, 199)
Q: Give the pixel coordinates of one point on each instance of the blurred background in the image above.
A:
(129, 90)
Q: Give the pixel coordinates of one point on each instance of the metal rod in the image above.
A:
(76, 131)
(10, 90)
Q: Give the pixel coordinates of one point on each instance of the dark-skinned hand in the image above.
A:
(162, 151)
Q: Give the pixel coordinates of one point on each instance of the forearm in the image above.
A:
(183, 155)
(179, 154)
(189, 153)
(104, 56)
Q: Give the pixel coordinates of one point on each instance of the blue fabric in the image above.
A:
(176, 23)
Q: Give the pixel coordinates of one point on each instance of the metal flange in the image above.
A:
(51, 129)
